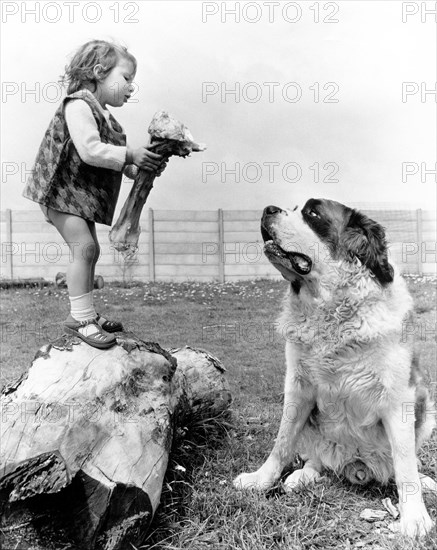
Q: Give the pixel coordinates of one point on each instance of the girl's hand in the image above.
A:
(162, 167)
(145, 159)
(163, 162)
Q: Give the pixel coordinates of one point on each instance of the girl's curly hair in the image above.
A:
(95, 52)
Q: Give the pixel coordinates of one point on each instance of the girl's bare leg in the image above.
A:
(110, 326)
(78, 234)
(81, 237)
(92, 227)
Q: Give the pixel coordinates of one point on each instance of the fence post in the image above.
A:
(221, 246)
(9, 268)
(419, 226)
(151, 246)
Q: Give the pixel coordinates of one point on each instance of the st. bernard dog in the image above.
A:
(355, 399)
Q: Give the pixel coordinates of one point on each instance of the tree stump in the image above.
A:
(97, 425)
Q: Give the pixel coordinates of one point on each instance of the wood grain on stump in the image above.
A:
(97, 425)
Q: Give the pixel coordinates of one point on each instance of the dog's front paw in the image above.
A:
(414, 524)
(300, 478)
(255, 481)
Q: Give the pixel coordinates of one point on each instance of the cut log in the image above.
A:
(168, 137)
(97, 426)
(38, 282)
(199, 382)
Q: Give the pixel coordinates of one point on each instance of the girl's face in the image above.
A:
(116, 88)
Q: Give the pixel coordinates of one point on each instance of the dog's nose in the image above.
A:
(270, 210)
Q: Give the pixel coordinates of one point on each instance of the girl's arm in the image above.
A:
(86, 138)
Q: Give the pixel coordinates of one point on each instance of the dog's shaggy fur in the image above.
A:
(355, 398)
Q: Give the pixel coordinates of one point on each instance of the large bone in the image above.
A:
(169, 137)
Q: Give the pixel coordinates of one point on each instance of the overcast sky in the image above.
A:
(293, 99)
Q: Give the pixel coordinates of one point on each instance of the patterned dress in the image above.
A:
(62, 181)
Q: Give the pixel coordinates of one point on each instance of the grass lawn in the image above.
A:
(236, 322)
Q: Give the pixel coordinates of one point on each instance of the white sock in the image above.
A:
(82, 307)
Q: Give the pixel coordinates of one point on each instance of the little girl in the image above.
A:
(77, 173)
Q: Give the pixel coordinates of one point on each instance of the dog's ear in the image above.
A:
(365, 239)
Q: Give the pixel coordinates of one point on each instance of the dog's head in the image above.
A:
(301, 242)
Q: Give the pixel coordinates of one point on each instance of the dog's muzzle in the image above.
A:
(300, 263)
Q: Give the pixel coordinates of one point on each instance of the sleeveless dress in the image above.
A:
(62, 181)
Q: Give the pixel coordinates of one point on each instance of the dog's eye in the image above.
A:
(313, 214)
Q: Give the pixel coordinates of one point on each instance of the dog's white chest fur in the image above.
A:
(337, 349)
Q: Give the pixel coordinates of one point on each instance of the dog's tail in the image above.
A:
(357, 473)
